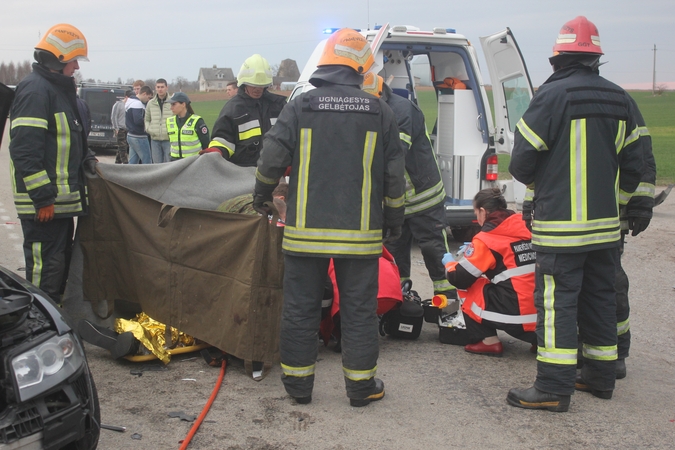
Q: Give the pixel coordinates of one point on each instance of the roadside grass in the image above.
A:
(658, 112)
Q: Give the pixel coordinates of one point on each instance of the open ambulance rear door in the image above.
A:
(511, 85)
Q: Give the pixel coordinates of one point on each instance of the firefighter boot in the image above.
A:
(580, 385)
(533, 398)
(377, 394)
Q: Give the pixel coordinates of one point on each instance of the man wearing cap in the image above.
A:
(188, 134)
(49, 152)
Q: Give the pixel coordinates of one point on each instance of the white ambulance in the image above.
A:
(441, 66)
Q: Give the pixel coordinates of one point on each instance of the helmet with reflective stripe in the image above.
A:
(65, 42)
(372, 84)
(255, 71)
(347, 47)
(579, 35)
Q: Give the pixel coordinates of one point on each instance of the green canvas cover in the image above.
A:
(216, 276)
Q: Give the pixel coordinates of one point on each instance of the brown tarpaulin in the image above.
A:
(213, 275)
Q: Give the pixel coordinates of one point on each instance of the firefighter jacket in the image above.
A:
(498, 269)
(238, 132)
(347, 177)
(424, 187)
(156, 114)
(578, 142)
(47, 146)
(187, 135)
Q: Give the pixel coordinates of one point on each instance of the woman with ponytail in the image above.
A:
(496, 277)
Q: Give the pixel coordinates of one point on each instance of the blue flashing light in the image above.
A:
(377, 27)
(451, 30)
(330, 30)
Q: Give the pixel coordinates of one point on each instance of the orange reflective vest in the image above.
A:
(501, 262)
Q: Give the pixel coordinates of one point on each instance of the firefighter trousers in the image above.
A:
(428, 228)
(570, 286)
(304, 282)
(47, 247)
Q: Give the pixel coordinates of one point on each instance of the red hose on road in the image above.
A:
(205, 411)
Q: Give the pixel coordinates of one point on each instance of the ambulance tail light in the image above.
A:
(492, 168)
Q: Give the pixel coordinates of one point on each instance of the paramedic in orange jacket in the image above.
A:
(497, 276)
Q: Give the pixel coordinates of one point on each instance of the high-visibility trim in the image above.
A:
(469, 267)
(620, 139)
(367, 186)
(573, 225)
(624, 197)
(273, 120)
(562, 356)
(332, 234)
(578, 180)
(326, 302)
(394, 202)
(623, 327)
(515, 272)
(644, 190)
(29, 122)
(359, 375)
(531, 137)
(332, 248)
(249, 129)
(217, 142)
(600, 353)
(442, 285)
(36, 180)
(502, 318)
(549, 312)
(572, 241)
(184, 141)
(304, 158)
(424, 200)
(36, 249)
(529, 194)
(300, 372)
(405, 138)
(634, 135)
(62, 152)
(265, 179)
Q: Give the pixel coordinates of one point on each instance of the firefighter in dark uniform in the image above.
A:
(334, 132)
(48, 154)
(578, 144)
(497, 273)
(238, 133)
(425, 194)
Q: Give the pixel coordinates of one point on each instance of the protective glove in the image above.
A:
(259, 204)
(45, 214)
(210, 150)
(390, 234)
(447, 258)
(637, 224)
(90, 165)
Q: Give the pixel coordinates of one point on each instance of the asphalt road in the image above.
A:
(437, 395)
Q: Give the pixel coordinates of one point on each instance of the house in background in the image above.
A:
(215, 78)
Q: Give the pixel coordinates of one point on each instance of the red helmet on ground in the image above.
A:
(579, 35)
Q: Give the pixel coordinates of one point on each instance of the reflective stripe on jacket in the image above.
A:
(347, 172)
(185, 140)
(498, 266)
(47, 146)
(579, 143)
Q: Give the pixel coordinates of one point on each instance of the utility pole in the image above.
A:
(654, 73)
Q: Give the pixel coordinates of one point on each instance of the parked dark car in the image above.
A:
(100, 98)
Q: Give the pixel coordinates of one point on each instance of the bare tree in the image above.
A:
(180, 83)
(661, 89)
(11, 73)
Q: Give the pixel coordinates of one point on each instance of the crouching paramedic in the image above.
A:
(497, 272)
(425, 195)
(335, 131)
(48, 149)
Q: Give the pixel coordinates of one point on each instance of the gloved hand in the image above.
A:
(528, 206)
(90, 165)
(45, 214)
(447, 258)
(390, 234)
(259, 204)
(211, 150)
(637, 224)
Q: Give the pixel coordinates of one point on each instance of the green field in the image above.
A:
(658, 112)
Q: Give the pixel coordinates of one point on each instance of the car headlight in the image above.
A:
(46, 365)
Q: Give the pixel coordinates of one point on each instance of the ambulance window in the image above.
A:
(517, 99)
(424, 88)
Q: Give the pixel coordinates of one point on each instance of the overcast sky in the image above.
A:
(169, 38)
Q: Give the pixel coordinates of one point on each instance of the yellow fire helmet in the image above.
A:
(255, 71)
(347, 47)
(65, 42)
(372, 84)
